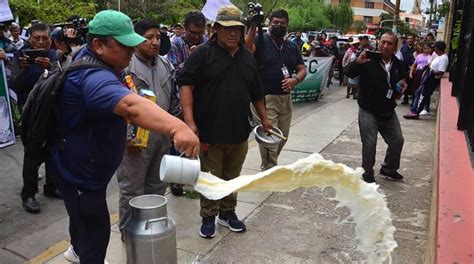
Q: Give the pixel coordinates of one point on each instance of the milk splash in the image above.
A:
(367, 206)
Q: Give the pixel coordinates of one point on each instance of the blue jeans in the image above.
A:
(423, 94)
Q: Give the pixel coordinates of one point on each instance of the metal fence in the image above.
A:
(462, 72)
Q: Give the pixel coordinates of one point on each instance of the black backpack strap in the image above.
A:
(82, 63)
(86, 62)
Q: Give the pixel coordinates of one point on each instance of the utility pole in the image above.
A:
(431, 12)
(396, 16)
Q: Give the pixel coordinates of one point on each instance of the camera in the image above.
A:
(256, 13)
(33, 54)
(78, 24)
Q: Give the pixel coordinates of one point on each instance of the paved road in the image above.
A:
(15, 223)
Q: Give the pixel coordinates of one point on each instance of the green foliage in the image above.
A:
(443, 9)
(456, 33)
(360, 26)
(307, 15)
(340, 16)
(51, 11)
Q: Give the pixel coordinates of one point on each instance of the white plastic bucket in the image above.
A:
(180, 170)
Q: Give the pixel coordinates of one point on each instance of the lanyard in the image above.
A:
(387, 67)
(280, 49)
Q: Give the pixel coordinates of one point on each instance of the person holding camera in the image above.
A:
(28, 66)
(282, 69)
(381, 81)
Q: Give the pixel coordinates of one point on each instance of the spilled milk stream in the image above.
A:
(368, 208)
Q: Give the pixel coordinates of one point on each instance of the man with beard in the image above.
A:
(281, 59)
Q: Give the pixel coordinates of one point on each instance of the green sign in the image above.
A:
(316, 77)
(7, 135)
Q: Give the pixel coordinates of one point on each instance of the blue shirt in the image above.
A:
(93, 149)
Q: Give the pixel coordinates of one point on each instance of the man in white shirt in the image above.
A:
(430, 80)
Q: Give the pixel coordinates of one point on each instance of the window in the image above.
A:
(369, 4)
(368, 19)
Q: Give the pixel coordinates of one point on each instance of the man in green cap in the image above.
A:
(218, 82)
(95, 106)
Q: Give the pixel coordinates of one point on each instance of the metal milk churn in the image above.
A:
(150, 234)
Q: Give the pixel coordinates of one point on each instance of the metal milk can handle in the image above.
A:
(148, 222)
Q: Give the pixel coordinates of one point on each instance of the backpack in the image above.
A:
(41, 114)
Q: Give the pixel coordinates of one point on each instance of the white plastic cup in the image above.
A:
(175, 169)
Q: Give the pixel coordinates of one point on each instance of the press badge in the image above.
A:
(389, 94)
(284, 70)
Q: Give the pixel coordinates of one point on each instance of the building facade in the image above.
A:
(368, 11)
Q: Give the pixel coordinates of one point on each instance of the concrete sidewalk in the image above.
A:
(304, 225)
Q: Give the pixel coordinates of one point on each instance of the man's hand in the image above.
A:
(43, 62)
(3, 56)
(288, 84)
(193, 127)
(362, 58)
(192, 48)
(185, 140)
(267, 126)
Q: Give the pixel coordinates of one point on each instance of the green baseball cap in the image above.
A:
(117, 25)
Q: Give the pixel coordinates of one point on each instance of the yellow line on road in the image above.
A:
(61, 246)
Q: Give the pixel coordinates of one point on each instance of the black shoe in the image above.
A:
(176, 189)
(369, 178)
(393, 176)
(31, 205)
(208, 227)
(230, 220)
(54, 193)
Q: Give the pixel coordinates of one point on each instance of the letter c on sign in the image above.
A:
(313, 66)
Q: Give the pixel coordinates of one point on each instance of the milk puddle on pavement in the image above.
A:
(368, 208)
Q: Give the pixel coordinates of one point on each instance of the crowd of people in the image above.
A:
(194, 90)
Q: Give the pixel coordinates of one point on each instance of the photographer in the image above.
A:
(26, 71)
(279, 59)
(381, 81)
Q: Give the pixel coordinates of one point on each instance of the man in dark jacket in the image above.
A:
(26, 71)
(381, 81)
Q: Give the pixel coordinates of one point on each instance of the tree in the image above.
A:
(360, 26)
(341, 16)
(51, 11)
(306, 15)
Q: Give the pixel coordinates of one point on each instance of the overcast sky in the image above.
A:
(408, 4)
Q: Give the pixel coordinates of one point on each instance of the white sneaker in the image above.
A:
(424, 113)
(71, 256)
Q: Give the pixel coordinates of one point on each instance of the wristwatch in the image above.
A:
(297, 79)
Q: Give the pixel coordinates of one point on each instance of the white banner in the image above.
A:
(316, 78)
(7, 134)
(211, 7)
(5, 12)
